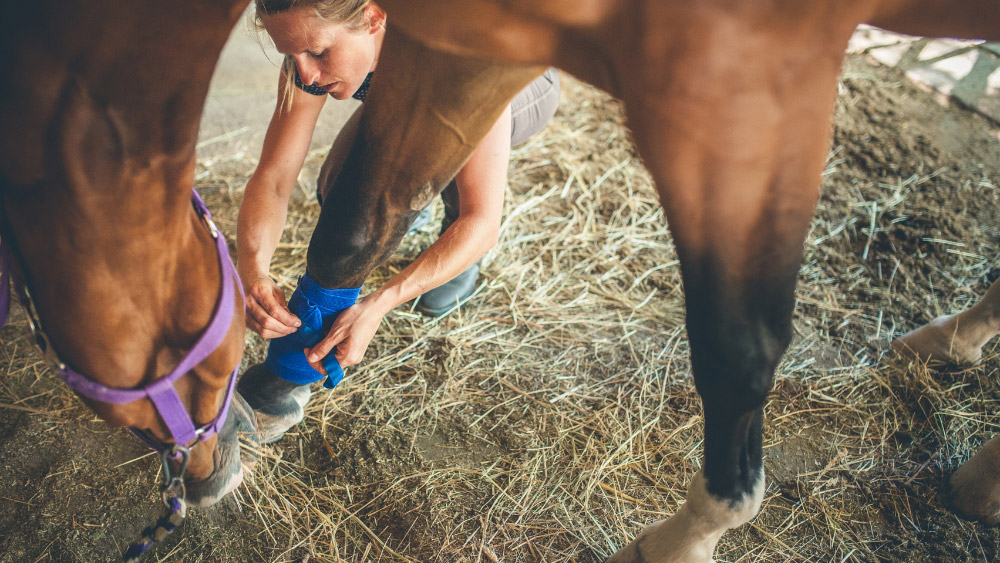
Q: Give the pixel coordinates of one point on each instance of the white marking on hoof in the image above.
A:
(975, 487)
(690, 535)
(958, 338)
(939, 340)
(229, 485)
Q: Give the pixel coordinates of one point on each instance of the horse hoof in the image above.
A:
(691, 535)
(277, 404)
(273, 422)
(974, 490)
(937, 341)
(228, 472)
(650, 545)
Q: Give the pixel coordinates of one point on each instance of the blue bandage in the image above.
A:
(317, 308)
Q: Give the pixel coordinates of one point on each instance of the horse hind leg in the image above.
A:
(691, 534)
(974, 490)
(739, 293)
(736, 344)
(955, 339)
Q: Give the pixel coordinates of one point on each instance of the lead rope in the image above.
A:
(172, 493)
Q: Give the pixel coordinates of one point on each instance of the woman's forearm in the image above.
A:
(259, 227)
(265, 199)
(481, 183)
(461, 245)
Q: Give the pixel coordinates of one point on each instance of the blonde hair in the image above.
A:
(350, 13)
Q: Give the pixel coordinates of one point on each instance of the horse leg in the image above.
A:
(974, 490)
(376, 180)
(424, 115)
(737, 161)
(958, 338)
(738, 325)
(279, 404)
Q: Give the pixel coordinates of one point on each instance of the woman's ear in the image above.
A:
(376, 18)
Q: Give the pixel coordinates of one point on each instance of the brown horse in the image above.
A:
(729, 101)
(730, 104)
(99, 115)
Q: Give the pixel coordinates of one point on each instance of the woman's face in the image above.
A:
(329, 55)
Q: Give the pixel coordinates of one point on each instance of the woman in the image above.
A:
(331, 47)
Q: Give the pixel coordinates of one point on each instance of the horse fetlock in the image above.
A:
(719, 513)
(691, 535)
(228, 469)
(974, 490)
(277, 404)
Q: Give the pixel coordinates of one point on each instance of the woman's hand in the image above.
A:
(350, 334)
(267, 311)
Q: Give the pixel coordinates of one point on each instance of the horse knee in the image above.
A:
(738, 364)
(351, 239)
(335, 259)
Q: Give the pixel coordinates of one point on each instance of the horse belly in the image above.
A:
(971, 19)
(477, 27)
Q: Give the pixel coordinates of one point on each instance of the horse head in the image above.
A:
(125, 278)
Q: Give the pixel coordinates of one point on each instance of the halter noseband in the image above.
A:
(161, 392)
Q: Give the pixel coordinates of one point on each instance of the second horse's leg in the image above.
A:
(736, 155)
(957, 338)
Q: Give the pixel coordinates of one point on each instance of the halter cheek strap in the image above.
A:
(161, 392)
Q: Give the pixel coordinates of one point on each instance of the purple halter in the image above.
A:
(161, 392)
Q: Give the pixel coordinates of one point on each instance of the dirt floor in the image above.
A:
(554, 416)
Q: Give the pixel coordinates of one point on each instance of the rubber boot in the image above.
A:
(451, 295)
(421, 221)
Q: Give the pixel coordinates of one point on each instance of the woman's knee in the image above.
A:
(534, 106)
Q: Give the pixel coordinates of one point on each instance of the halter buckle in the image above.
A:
(211, 225)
